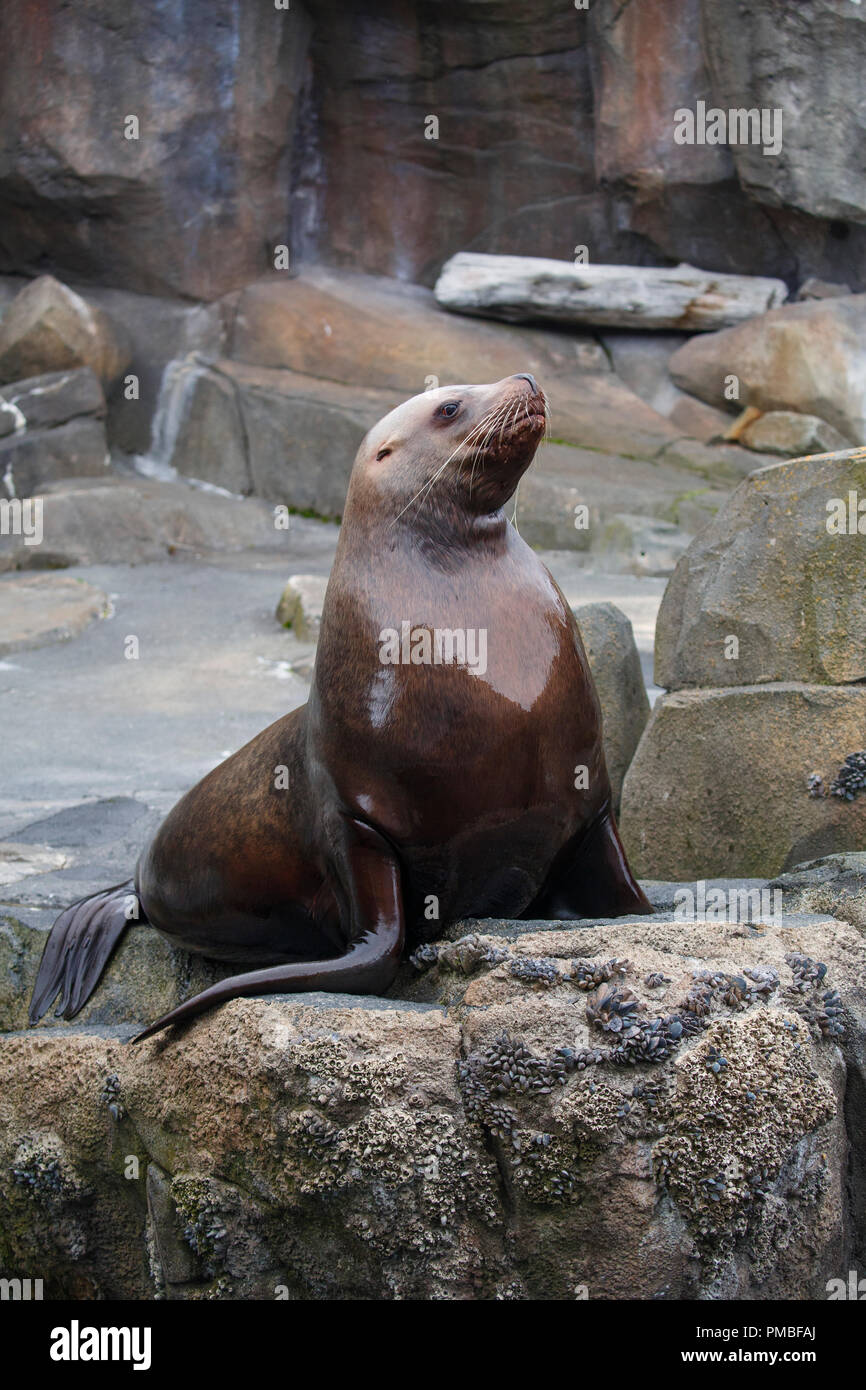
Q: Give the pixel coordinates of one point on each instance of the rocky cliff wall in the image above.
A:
(313, 127)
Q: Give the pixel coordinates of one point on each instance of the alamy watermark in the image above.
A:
(21, 1290)
(22, 516)
(77, 1343)
(434, 646)
(737, 126)
(703, 903)
(846, 516)
(853, 1288)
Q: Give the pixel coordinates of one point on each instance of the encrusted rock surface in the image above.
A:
(642, 1108)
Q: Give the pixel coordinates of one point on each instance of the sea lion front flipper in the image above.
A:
(377, 928)
(592, 878)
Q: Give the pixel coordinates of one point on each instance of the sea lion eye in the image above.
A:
(383, 453)
(449, 409)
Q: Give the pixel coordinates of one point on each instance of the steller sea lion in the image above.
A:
(447, 764)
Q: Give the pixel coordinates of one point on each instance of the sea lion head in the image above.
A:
(457, 447)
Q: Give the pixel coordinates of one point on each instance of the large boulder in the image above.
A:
(615, 664)
(292, 438)
(835, 883)
(126, 521)
(50, 328)
(789, 433)
(364, 330)
(806, 357)
(302, 434)
(645, 1109)
(198, 429)
(57, 431)
(42, 402)
(284, 436)
(774, 572)
(723, 781)
(156, 331)
(523, 289)
(192, 201)
(33, 458)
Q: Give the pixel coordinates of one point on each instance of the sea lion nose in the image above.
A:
(525, 376)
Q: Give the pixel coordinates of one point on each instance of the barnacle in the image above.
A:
(111, 1096)
(851, 777)
(655, 979)
(612, 1008)
(823, 1011)
(464, 957)
(588, 974)
(425, 956)
(534, 971)
(507, 1066)
(649, 1040)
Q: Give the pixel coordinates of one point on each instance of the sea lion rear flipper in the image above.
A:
(377, 927)
(592, 879)
(78, 948)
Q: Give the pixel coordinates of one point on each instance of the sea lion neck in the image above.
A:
(440, 529)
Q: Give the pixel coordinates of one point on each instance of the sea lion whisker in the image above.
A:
(509, 420)
(477, 443)
(422, 491)
(500, 419)
(493, 422)
(513, 517)
(425, 488)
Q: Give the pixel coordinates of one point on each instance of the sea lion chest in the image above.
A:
(455, 711)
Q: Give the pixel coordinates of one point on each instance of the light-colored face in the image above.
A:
(469, 444)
